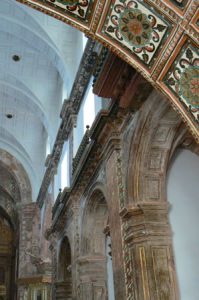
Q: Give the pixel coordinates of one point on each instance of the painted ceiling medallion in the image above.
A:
(135, 27)
(189, 85)
(183, 79)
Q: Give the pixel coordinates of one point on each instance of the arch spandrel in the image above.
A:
(158, 38)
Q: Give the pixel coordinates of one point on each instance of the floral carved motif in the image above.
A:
(78, 8)
(137, 28)
(183, 79)
(189, 86)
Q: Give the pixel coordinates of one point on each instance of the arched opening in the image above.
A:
(64, 283)
(95, 221)
(96, 259)
(182, 193)
(8, 266)
(14, 191)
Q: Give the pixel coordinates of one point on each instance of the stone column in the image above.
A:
(26, 242)
(148, 238)
(53, 249)
(113, 175)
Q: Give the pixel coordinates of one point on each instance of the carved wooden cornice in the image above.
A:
(68, 114)
(82, 147)
(83, 76)
(59, 203)
(69, 117)
(112, 76)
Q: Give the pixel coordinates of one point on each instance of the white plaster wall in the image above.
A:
(67, 41)
(183, 194)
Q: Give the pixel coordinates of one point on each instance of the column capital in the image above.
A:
(146, 221)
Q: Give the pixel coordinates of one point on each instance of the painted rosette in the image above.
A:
(135, 27)
(189, 85)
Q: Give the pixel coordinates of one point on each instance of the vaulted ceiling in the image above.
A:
(159, 38)
(39, 57)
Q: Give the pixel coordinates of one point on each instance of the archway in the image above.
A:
(15, 192)
(8, 248)
(18, 172)
(146, 219)
(94, 265)
(64, 283)
(160, 49)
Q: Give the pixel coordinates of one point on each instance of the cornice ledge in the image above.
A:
(61, 206)
(89, 259)
(34, 280)
(83, 76)
(50, 171)
(68, 115)
(69, 118)
(142, 207)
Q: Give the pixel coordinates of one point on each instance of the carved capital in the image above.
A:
(146, 221)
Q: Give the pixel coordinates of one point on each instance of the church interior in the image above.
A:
(99, 149)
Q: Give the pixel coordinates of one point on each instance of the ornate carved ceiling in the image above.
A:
(158, 38)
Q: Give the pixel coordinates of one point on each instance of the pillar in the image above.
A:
(148, 238)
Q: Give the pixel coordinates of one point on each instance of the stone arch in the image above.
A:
(151, 149)
(101, 20)
(146, 213)
(95, 220)
(63, 285)
(7, 215)
(8, 208)
(16, 169)
(93, 259)
(64, 260)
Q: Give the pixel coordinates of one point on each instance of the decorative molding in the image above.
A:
(81, 150)
(34, 280)
(68, 115)
(83, 76)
